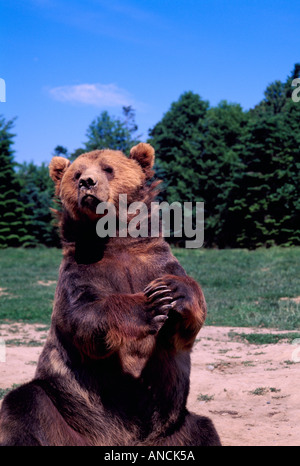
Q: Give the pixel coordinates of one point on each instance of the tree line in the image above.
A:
(244, 165)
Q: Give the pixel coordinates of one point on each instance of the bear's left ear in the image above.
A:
(57, 168)
(144, 154)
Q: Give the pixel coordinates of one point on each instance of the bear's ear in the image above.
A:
(144, 154)
(57, 168)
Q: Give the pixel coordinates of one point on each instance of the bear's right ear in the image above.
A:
(57, 168)
(144, 154)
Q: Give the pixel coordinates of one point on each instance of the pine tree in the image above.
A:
(286, 199)
(60, 151)
(220, 169)
(267, 207)
(178, 142)
(14, 223)
(198, 155)
(261, 148)
(107, 132)
(130, 124)
(37, 193)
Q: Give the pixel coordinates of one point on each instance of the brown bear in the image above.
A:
(116, 364)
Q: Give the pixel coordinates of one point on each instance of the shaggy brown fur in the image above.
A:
(115, 368)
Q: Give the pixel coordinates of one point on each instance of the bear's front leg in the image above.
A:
(100, 327)
(186, 308)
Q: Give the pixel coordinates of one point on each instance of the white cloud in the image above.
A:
(98, 95)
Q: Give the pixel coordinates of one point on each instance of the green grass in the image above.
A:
(259, 391)
(205, 398)
(264, 338)
(242, 288)
(16, 342)
(23, 298)
(263, 390)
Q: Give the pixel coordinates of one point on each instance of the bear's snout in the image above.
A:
(92, 189)
(87, 182)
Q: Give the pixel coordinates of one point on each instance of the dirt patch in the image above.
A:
(253, 389)
(250, 391)
(46, 283)
(294, 300)
(23, 345)
(3, 292)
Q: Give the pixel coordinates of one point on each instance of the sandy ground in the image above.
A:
(251, 392)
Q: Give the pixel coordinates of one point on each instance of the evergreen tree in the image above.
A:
(267, 204)
(178, 142)
(261, 147)
(274, 100)
(130, 125)
(14, 223)
(61, 151)
(37, 193)
(198, 158)
(220, 170)
(106, 132)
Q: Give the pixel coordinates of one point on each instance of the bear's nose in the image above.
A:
(87, 182)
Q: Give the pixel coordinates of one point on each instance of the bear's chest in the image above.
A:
(126, 273)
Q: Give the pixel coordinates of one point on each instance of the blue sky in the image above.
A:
(65, 61)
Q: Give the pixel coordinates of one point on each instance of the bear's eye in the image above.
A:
(77, 175)
(109, 172)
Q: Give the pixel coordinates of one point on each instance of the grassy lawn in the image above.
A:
(27, 283)
(242, 288)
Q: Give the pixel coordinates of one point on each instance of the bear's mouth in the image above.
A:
(90, 202)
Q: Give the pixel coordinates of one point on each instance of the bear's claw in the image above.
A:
(155, 288)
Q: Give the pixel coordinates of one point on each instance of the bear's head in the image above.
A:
(100, 176)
